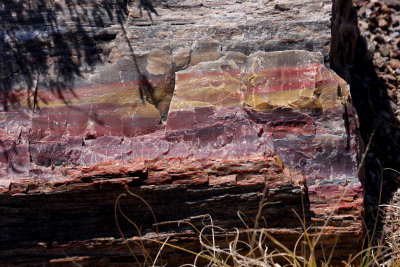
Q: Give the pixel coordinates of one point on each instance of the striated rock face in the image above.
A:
(189, 110)
(297, 109)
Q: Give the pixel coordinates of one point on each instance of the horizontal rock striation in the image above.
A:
(187, 105)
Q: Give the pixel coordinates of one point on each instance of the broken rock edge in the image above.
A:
(28, 186)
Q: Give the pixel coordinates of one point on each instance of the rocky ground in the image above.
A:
(379, 23)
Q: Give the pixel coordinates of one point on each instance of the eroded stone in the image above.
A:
(240, 120)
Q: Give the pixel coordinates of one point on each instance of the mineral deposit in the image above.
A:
(191, 105)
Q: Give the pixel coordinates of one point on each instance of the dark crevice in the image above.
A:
(146, 24)
(347, 126)
(182, 6)
(349, 57)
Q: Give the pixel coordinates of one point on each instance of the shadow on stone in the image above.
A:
(41, 49)
(351, 59)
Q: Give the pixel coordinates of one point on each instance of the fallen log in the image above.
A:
(194, 117)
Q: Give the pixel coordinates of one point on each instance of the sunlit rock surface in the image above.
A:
(189, 110)
(285, 104)
(280, 103)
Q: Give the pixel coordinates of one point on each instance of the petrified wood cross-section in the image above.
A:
(234, 126)
(186, 113)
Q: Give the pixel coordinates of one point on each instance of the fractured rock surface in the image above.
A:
(187, 109)
(290, 97)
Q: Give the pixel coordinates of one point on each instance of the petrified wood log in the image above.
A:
(192, 115)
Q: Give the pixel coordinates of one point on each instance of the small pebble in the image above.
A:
(370, 5)
(395, 64)
(383, 23)
(390, 78)
(362, 10)
(363, 25)
(395, 54)
(371, 47)
(390, 94)
(385, 52)
(386, 9)
(393, 3)
(397, 43)
(379, 62)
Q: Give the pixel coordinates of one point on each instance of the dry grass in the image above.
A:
(392, 238)
(249, 249)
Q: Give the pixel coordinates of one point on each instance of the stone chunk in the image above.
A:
(47, 153)
(193, 110)
(287, 103)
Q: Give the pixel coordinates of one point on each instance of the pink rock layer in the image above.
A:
(280, 119)
(280, 103)
(284, 104)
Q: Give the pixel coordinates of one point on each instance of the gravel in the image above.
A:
(379, 23)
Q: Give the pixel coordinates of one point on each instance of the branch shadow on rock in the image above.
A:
(45, 45)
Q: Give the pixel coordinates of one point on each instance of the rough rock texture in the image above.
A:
(293, 100)
(379, 25)
(184, 107)
(364, 61)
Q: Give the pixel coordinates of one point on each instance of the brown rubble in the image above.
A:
(383, 159)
